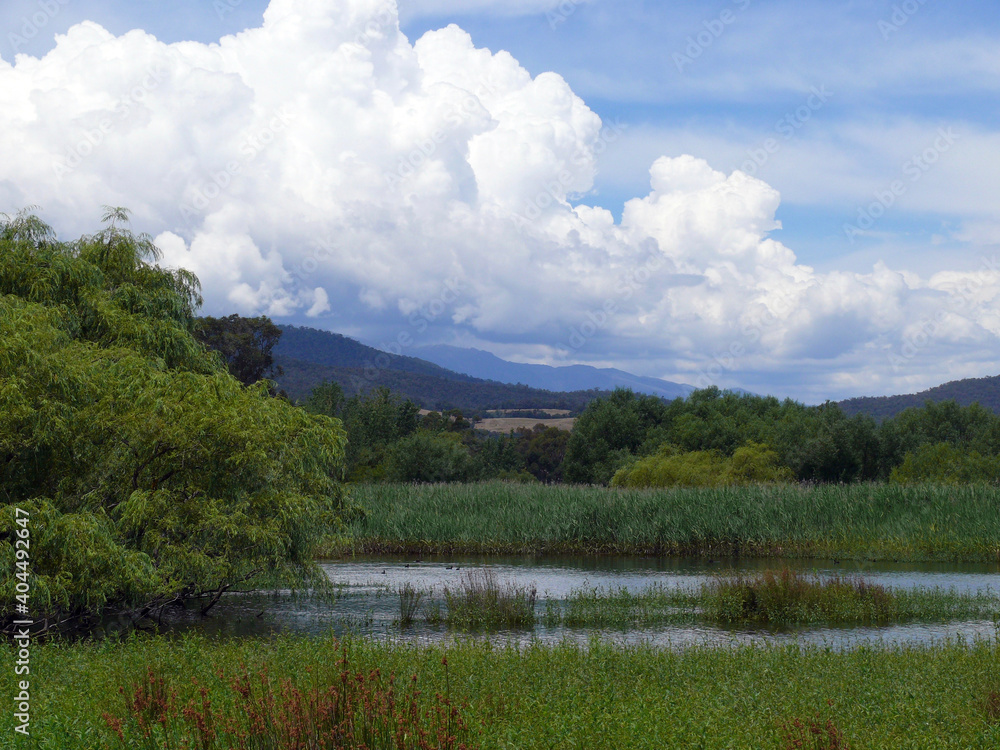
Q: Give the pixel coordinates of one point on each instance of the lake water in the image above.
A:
(367, 602)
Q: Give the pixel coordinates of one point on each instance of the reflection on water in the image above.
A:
(367, 602)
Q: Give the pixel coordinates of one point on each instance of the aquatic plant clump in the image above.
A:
(409, 602)
(772, 599)
(482, 601)
(788, 597)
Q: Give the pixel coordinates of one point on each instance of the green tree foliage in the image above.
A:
(671, 467)
(609, 433)
(327, 399)
(822, 444)
(818, 444)
(244, 344)
(426, 456)
(755, 463)
(543, 450)
(943, 463)
(374, 422)
(971, 428)
(105, 288)
(499, 457)
(149, 472)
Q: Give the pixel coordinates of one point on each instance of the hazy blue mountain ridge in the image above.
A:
(482, 364)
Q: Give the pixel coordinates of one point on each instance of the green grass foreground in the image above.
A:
(566, 696)
(865, 521)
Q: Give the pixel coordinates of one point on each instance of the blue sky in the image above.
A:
(835, 105)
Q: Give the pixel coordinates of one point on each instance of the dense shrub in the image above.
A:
(428, 456)
(944, 463)
(670, 467)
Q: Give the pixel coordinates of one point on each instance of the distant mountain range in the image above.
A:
(984, 391)
(309, 357)
(482, 364)
(446, 377)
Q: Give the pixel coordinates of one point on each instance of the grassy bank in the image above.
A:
(873, 522)
(553, 697)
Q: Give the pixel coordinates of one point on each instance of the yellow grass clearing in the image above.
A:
(550, 412)
(506, 424)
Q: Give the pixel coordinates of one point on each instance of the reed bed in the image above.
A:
(481, 600)
(863, 521)
(595, 696)
(409, 603)
(773, 599)
(779, 598)
(786, 597)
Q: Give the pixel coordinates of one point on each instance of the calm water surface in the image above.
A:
(367, 603)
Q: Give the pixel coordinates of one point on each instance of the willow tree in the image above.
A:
(150, 474)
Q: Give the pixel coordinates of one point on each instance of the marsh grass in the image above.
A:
(623, 609)
(771, 598)
(409, 603)
(787, 597)
(350, 710)
(481, 600)
(862, 521)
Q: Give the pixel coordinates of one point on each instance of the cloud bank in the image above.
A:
(323, 163)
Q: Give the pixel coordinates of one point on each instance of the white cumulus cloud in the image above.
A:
(323, 163)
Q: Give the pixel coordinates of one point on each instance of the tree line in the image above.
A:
(780, 440)
(711, 437)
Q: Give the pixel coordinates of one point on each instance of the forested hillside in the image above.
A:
(471, 395)
(982, 391)
(308, 357)
(333, 349)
